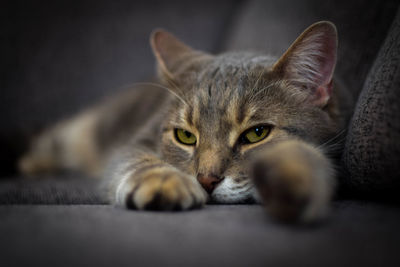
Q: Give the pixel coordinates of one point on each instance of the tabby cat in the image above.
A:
(238, 127)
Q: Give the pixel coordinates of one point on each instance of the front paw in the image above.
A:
(295, 181)
(165, 189)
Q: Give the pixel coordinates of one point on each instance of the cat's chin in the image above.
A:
(228, 192)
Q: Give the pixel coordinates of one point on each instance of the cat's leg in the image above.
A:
(146, 182)
(69, 144)
(295, 181)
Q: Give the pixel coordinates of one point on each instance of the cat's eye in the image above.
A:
(255, 134)
(185, 137)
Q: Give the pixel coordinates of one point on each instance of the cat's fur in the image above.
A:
(216, 98)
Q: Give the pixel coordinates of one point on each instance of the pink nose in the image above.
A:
(209, 182)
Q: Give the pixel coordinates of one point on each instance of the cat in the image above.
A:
(239, 127)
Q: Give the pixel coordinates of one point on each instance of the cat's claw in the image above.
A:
(166, 190)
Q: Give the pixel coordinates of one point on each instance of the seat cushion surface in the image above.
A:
(358, 234)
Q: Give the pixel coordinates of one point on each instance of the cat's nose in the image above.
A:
(209, 182)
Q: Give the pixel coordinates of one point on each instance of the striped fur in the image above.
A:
(216, 98)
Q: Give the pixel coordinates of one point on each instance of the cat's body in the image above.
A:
(233, 128)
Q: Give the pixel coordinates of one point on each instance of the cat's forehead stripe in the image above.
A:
(241, 113)
(189, 115)
(196, 113)
(226, 96)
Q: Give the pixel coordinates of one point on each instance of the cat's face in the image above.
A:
(228, 108)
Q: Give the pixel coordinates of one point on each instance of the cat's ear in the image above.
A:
(173, 56)
(310, 61)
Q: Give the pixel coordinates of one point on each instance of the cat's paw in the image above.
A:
(164, 189)
(295, 181)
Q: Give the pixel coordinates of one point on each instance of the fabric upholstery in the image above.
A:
(372, 152)
(358, 234)
(67, 189)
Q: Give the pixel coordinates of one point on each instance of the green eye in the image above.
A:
(185, 137)
(255, 134)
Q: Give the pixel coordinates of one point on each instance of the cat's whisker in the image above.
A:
(174, 85)
(163, 87)
(262, 90)
(333, 149)
(323, 145)
(338, 144)
(259, 78)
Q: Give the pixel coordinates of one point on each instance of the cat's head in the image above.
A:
(229, 106)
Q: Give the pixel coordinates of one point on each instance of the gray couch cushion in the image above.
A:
(372, 153)
(358, 234)
(64, 189)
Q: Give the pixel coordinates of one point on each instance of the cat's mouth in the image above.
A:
(229, 192)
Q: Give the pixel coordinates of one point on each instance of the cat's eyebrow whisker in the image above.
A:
(163, 87)
(258, 79)
(262, 90)
(175, 86)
